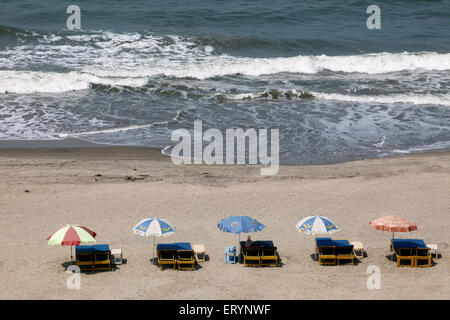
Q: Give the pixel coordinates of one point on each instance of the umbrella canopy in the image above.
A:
(393, 224)
(156, 227)
(316, 225)
(71, 235)
(240, 224)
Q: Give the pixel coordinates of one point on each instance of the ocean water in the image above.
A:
(137, 70)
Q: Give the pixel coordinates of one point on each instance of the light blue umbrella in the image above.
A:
(316, 225)
(240, 224)
(155, 227)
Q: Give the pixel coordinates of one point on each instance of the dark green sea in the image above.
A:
(137, 70)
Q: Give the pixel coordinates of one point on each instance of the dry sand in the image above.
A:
(138, 183)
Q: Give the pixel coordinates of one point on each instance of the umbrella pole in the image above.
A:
(315, 253)
(393, 253)
(71, 255)
(239, 246)
(153, 259)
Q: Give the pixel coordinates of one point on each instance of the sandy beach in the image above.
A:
(64, 186)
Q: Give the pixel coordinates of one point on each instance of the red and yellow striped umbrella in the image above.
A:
(71, 235)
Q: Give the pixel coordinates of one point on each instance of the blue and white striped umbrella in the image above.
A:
(156, 227)
(316, 225)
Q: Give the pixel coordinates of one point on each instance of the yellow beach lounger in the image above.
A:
(93, 257)
(411, 253)
(332, 252)
(269, 257)
(327, 255)
(166, 256)
(251, 257)
(422, 258)
(345, 253)
(186, 259)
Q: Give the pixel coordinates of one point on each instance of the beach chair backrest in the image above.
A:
(327, 250)
(84, 257)
(252, 252)
(404, 252)
(269, 251)
(167, 254)
(186, 254)
(345, 250)
(423, 252)
(102, 256)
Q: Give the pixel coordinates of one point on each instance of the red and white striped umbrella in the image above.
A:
(393, 224)
(71, 235)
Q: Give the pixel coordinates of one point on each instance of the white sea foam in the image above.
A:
(53, 82)
(214, 66)
(419, 99)
(430, 147)
(411, 98)
(131, 55)
(121, 129)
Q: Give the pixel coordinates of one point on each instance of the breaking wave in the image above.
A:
(54, 82)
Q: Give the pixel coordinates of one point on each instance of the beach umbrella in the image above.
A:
(71, 235)
(393, 224)
(154, 227)
(316, 225)
(240, 224)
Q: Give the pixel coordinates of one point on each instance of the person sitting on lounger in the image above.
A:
(249, 242)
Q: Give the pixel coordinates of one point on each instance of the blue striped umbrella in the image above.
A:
(316, 225)
(155, 227)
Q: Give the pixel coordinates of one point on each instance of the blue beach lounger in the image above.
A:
(179, 254)
(333, 251)
(93, 257)
(411, 253)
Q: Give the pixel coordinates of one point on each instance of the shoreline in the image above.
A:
(75, 147)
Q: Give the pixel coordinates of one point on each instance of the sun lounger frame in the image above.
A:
(251, 260)
(102, 264)
(401, 259)
(419, 257)
(422, 255)
(99, 258)
(327, 259)
(164, 261)
(84, 264)
(183, 262)
(271, 259)
(259, 258)
(345, 256)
